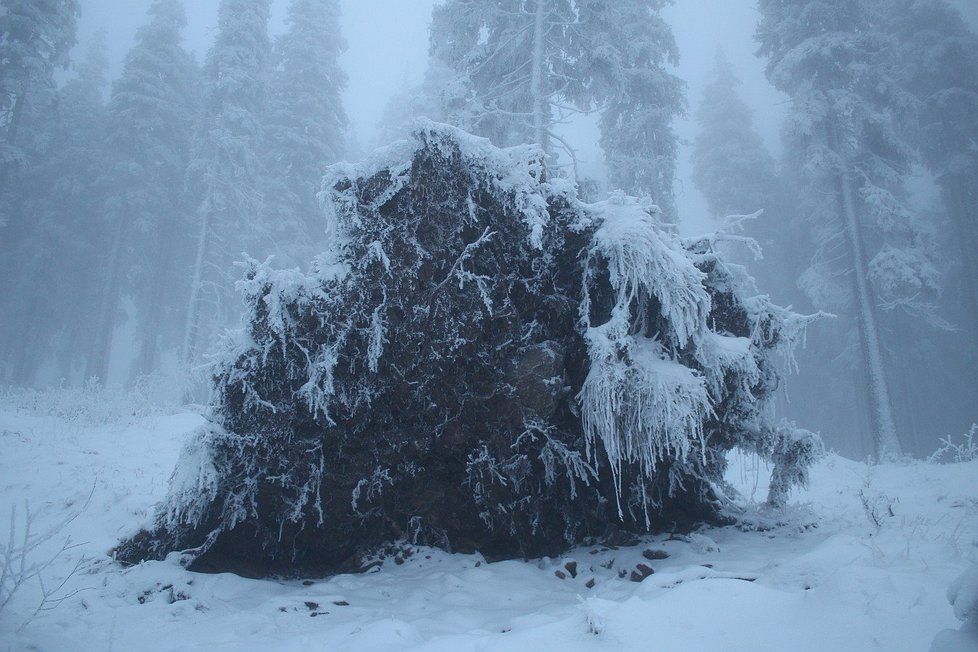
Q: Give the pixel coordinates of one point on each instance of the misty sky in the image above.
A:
(388, 41)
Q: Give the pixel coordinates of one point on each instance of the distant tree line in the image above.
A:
(131, 209)
(883, 100)
(124, 208)
(127, 204)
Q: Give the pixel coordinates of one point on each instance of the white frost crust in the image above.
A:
(642, 405)
(556, 455)
(194, 482)
(645, 259)
(719, 354)
(517, 171)
(378, 336)
(319, 387)
(791, 332)
(286, 287)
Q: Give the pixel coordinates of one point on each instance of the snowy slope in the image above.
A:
(827, 578)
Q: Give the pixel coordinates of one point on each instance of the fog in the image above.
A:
(921, 280)
(388, 50)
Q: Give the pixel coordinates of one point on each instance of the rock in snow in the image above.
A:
(963, 596)
(482, 362)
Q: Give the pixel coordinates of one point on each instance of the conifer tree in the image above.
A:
(61, 228)
(832, 58)
(522, 68)
(508, 57)
(737, 175)
(937, 61)
(224, 175)
(625, 54)
(306, 125)
(152, 109)
(35, 37)
(731, 165)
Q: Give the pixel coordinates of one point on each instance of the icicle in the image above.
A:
(643, 406)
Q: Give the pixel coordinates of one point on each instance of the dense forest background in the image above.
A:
(145, 147)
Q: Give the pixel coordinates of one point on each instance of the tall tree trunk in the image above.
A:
(192, 326)
(153, 303)
(98, 360)
(908, 373)
(26, 355)
(962, 202)
(885, 440)
(16, 117)
(69, 353)
(540, 102)
(7, 180)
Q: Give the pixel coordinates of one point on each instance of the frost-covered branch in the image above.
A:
(23, 560)
(458, 268)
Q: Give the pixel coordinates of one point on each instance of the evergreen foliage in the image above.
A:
(226, 168)
(59, 225)
(742, 185)
(305, 128)
(522, 68)
(35, 37)
(731, 166)
(153, 109)
(874, 254)
(936, 59)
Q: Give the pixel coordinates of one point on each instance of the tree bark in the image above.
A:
(16, 117)
(152, 314)
(192, 325)
(26, 356)
(961, 202)
(98, 360)
(536, 80)
(885, 440)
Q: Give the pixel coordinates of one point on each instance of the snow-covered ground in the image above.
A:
(862, 560)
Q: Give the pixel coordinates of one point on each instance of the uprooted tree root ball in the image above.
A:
(483, 362)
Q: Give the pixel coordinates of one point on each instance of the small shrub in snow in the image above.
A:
(483, 362)
(877, 506)
(949, 452)
(92, 404)
(793, 451)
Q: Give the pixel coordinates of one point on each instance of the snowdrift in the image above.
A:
(482, 362)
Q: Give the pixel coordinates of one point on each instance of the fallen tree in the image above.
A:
(482, 362)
